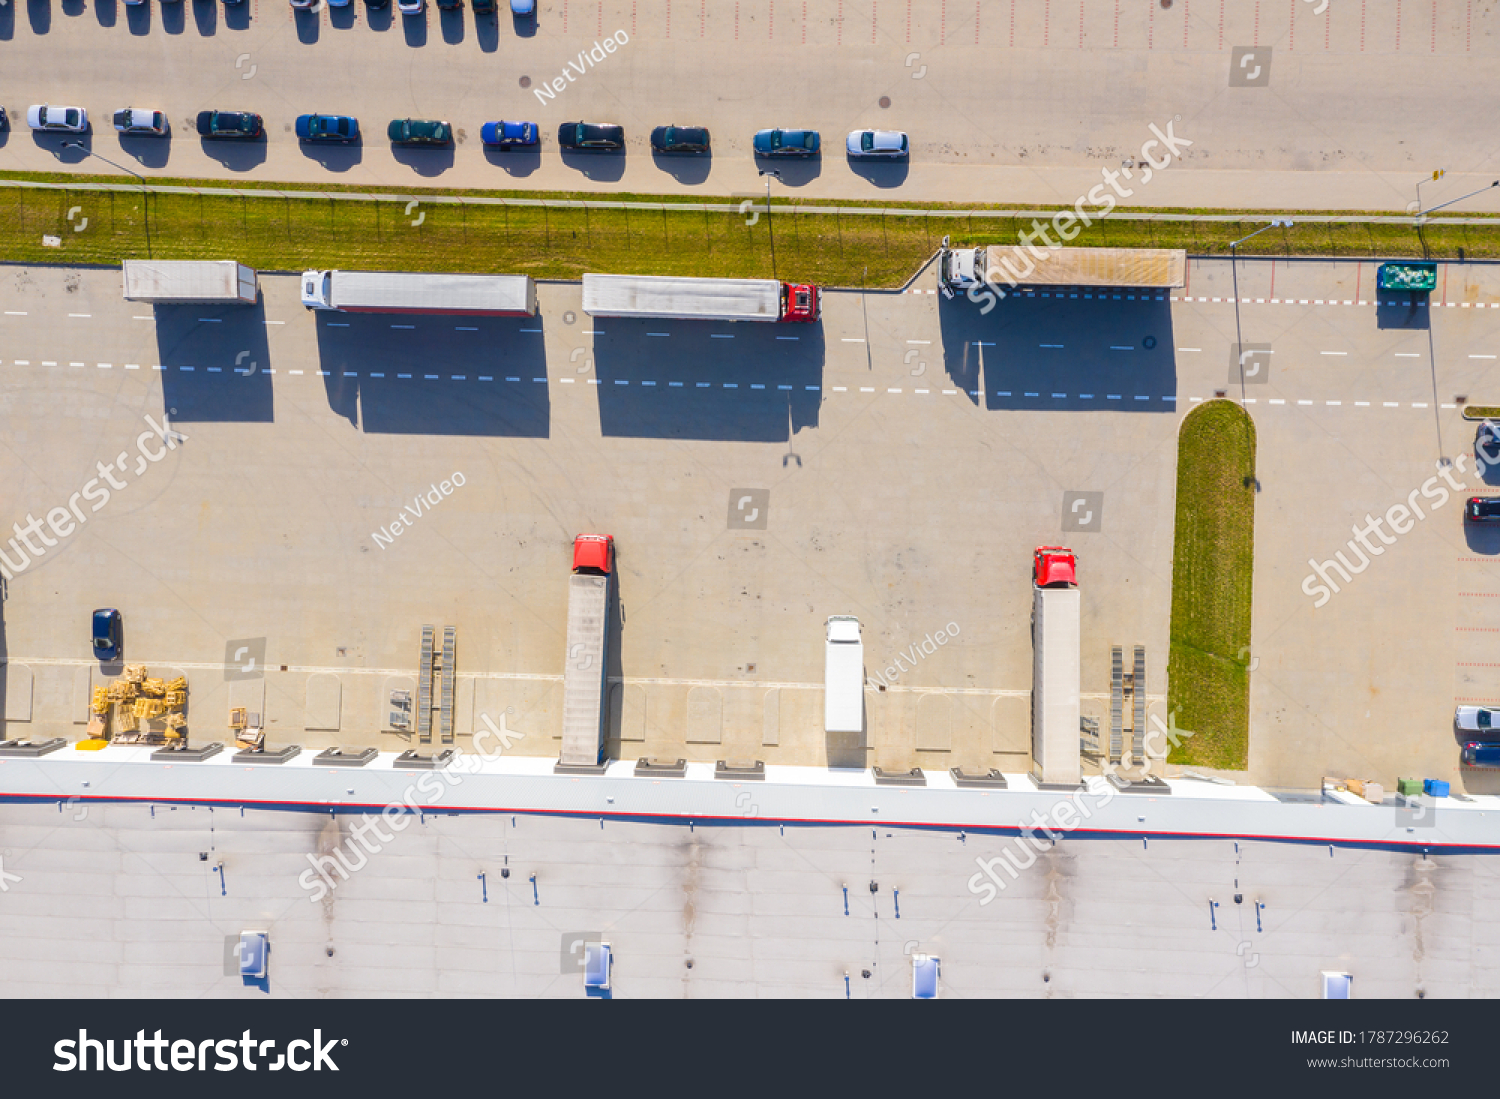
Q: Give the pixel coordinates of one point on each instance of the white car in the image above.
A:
(302, 4)
(1475, 719)
(73, 120)
(135, 121)
(409, 7)
(877, 145)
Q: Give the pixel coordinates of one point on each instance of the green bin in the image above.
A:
(1407, 276)
(1408, 786)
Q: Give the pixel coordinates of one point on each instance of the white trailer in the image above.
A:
(672, 298)
(843, 676)
(1007, 265)
(411, 292)
(585, 663)
(1055, 639)
(189, 282)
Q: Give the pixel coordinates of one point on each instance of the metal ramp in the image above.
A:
(1088, 735)
(424, 689)
(445, 717)
(1138, 708)
(1116, 704)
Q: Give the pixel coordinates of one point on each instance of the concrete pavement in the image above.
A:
(1026, 102)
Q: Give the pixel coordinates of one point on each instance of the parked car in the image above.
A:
(877, 145)
(509, 135)
(523, 7)
(72, 120)
(1487, 442)
(482, 7)
(1477, 719)
(303, 3)
(338, 3)
(106, 634)
(1479, 754)
(409, 7)
(4, 119)
(339, 128)
(419, 131)
(230, 124)
(1483, 509)
(449, 4)
(591, 135)
(137, 122)
(787, 143)
(679, 139)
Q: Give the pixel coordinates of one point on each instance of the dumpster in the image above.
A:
(1419, 277)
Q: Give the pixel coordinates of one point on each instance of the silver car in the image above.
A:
(1476, 719)
(72, 120)
(135, 121)
(877, 145)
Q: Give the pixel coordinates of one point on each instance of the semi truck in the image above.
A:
(1006, 266)
(1055, 641)
(585, 704)
(409, 292)
(843, 676)
(189, 282)
(658, 297)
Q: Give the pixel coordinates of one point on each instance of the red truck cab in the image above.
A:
(593, 554)
(1055, 567)
(800, 302)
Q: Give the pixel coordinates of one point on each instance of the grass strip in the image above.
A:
(1208, 682)
(876, 250)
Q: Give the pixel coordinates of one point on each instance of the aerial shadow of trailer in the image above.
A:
(763, 385)
(1063, 350)
(214, 360)
(415, 374)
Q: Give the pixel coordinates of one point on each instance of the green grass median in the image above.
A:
(1212, 562)
(880, 249)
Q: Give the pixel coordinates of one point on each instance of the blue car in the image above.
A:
(1481, 755)
(523, 7)
(107, 634)
(338, 128)
(787, 143)
(509, 135)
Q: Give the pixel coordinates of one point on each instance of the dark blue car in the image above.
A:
(107, 634)
(340, 128)
(1482, 755)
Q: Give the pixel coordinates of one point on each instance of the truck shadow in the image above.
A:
(409, 374)
(693, 383)
(206, 16)
(215, 360)
(1063, 350)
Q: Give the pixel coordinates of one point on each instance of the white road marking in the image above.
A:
(457, 328)
(1055, 346)
(1304, 402)
(788, 337)
(720, 336)
(531, 330)
(1418, 405)
(893, 391)
(1362, 404)
(1114, 347)
(111, 366)
(13, 313)
(854, 339)
(1407, 355)
(337, 324)
(1190, 349)
(295, 372)
(919, 341)
(85, 315)
(658, 333)
(753, 385)
(1392, 404)
(403, 326)
(841, 389)
(867, 389)
(275, 322)
(567, 381)
(1481, 356)
(677, 384)
(1333, 352)
(1278, 400)
(210, 320)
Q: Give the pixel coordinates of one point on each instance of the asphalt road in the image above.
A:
(1015, 100)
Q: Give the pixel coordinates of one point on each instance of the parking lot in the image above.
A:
(1004, 101)
(905, 468)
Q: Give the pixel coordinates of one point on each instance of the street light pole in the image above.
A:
(770, 226)
(1436, 175)
(1234, 274)
(145, 194)
(1460, 198)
